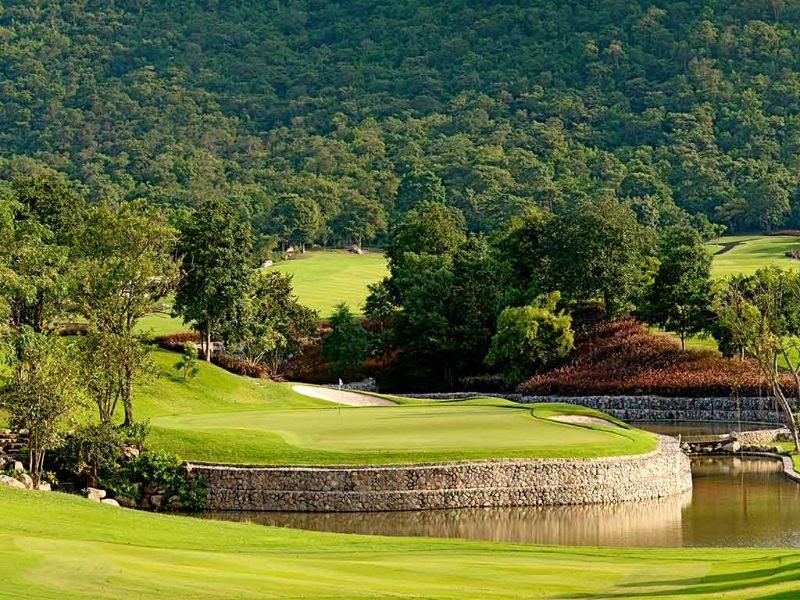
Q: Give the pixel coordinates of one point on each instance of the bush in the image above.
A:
(161, 471)
(92, 452)
(622, 357)
(176, 341)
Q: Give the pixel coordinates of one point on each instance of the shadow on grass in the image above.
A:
(713, 585)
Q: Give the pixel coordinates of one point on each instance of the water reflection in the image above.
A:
(735, 502)
(686, 428)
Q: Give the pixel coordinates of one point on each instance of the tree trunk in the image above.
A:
(208, 343)
(127, 396)
(791, 421)
(683, 342)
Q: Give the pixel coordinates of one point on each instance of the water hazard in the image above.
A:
(736, 501)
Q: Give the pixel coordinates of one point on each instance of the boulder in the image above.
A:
(95, 495)
(44, 487)
(156, 500)
(109, 501)
(26, 480)
(17, 466)
(126, 502)
(11, 482)
(130, 452)
(733, 446)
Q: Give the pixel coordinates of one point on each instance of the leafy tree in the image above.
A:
(762, 315)
(268, 324)
(124, 266)
(92, 451)
(530, 338)
(680, 295)
(214, 247)
(361, 219)
(598, 249)
(417, 187)
(347, 345)
(42, 392)
(297, 220)
(380, 308)
(187, 365)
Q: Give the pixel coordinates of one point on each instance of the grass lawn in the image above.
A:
(226, 418)
(58, 546)
(751, 253)
(325, 278)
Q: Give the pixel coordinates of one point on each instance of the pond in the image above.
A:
(736, 501)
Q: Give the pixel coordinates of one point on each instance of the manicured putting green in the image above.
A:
(748, 253)
(222, 417)
(54, 546)
(325, 278)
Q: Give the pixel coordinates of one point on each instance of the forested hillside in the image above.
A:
(329, 118)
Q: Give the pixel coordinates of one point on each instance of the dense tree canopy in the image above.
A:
(490, 107)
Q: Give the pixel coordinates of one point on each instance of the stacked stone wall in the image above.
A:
(460, 484)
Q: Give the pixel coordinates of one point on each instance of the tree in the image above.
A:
(360, 219)
(530, 337)
(124, 266)
(430, 228)
(417, 187)
(187, 365)
(679, 298)
(598, 249)
(347, 345)
(214, 246)
(42, 392)
(762, 314)
(268, 324)
(108, 363)
(297, 220)
(380, 308)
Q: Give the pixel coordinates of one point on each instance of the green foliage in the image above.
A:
(598, 249)
(679, 298)
(41, 393)
(187, 365)
(268, 324)
(215, 244)
(92, 451)
(530, 338)
(162, 470)
(347, 345)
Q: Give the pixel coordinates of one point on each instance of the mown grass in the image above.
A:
(222, 417)
(751, 253)
(58, 546)
(325, 278)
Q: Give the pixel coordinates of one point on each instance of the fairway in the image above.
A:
(752, 252)
(325, 278)
(65, 547)
(221, 417)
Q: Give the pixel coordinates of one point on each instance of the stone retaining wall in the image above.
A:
(656, 408)
(483, 483)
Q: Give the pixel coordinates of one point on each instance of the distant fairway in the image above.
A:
(325, 278)
(751, 252)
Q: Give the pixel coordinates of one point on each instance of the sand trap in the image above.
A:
(341, 396)
(582, 419)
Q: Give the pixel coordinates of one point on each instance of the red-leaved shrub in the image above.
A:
(623, 358)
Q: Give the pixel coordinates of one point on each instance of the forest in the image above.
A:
(327, 121)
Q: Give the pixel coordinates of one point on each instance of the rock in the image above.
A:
(733, 446)
(17, 466)
(174, 503)
(26, 480)
(44, 487)
(11, 482)
(156, 500)
(126, 502)
(109, 501)
(95, 495)
(130, 452)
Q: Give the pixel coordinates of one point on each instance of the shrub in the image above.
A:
(622, 357)
(92, 452)
(161, 471)
(176, 341)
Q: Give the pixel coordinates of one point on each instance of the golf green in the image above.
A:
(745, 254)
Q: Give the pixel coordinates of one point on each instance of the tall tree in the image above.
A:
(598, 249)
(214, 246)
(124, 266)
(762, 315)
(679, 298)
(360, 219)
